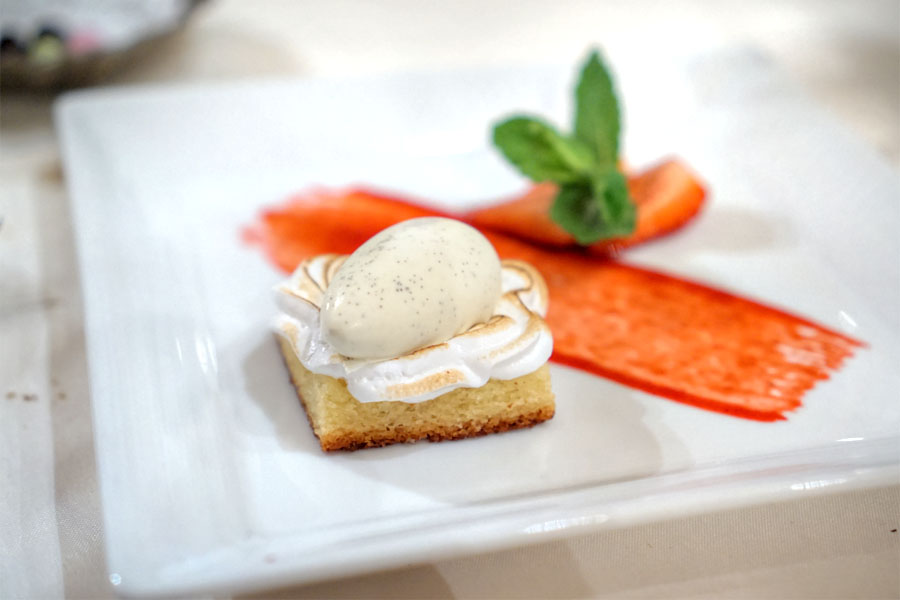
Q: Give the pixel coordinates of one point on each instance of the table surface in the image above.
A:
(846, 55)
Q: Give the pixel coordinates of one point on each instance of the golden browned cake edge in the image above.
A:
(341, 422)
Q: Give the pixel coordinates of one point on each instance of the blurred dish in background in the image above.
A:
(67, 43)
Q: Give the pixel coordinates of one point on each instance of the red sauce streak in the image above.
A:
(668, 336)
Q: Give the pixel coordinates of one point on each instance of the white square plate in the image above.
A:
(211, 478)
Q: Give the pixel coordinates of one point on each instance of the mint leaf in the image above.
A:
(596, 210)
(540, 152)
(597, 111)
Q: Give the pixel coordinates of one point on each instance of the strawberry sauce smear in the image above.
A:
(664, 335)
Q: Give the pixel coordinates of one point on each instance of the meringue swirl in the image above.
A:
(513, 342)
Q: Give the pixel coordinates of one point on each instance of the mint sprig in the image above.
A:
(593, 202)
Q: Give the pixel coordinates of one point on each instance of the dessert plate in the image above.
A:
(211, 479)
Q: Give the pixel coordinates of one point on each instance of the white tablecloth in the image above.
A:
(846, 55)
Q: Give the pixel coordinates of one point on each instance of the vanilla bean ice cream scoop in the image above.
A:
(413, 285)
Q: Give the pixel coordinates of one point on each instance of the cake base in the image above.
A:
(341, 422)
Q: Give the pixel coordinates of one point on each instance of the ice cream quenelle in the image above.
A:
(413, 285)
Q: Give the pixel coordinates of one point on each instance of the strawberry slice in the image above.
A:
(526, 217)
(667, 196)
